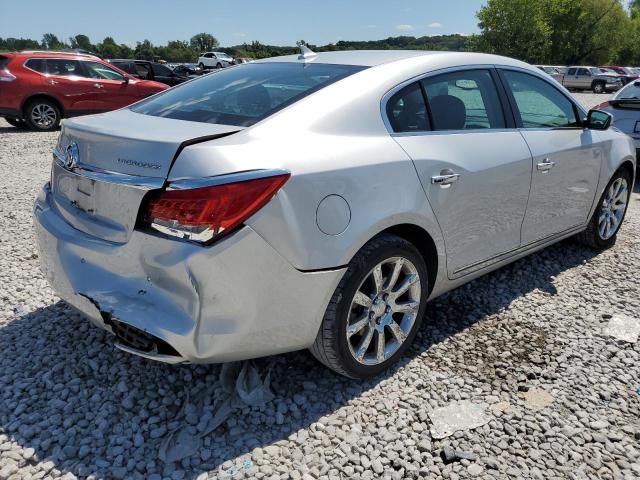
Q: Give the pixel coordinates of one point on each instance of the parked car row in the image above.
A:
(39, 88)
(603, 79)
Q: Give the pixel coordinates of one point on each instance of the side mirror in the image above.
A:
(598, 120)
(125, 80)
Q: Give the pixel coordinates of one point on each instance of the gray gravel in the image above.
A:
(528, 342)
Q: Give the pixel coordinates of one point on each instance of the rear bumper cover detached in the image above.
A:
(234, 300)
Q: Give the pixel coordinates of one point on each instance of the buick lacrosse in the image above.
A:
(319, 201)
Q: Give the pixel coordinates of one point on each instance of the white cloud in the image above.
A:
(462, 34)
(435, 25)
(405, 27)
(239, 34)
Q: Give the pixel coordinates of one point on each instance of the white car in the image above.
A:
(214, 60)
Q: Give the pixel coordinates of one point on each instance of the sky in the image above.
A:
(232, 22)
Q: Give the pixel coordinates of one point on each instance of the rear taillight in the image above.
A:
(602, 105)
(205, 213)
(6, 76)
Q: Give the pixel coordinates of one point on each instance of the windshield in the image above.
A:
(245, 94)
(630, 91)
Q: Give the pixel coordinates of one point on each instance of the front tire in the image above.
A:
(376, 310)
(42, 115)
(598, 87)
(603, 227)
(218, 65)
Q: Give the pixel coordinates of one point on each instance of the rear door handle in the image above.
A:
(445, 179)
(546, 165)
(52, 82)
(97, 85)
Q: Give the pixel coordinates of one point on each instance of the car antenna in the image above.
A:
(305, 52)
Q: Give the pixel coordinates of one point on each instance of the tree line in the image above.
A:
(558, 32)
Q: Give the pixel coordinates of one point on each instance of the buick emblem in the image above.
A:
(73, 156)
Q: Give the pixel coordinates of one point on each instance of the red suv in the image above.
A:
(38, 89)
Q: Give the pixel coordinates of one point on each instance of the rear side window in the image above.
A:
(143, 71)
(160, 70)
(463, 100)
(407, 111)
(245, 94)
(3, 62)
(571, 71)
(539, 104)
(36, 64)
(63, 68)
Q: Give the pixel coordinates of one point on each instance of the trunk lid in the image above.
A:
(105, 164)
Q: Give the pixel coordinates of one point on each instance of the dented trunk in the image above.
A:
(105, 164)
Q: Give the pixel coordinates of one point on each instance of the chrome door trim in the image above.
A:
(511, 253)
(108, 176)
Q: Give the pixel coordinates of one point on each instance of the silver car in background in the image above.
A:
(624, 107)
(319, 201)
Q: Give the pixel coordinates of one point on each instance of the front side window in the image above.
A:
(571, 71)
(102, 72)
(538, 103)
(245, 94)
(407, 111)
(63, 68)
(463, 100)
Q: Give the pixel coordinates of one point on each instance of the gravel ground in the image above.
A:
(562, 397)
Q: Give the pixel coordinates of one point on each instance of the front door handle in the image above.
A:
(446, 178)
(97, 85)
(52, 82)
(546, 165)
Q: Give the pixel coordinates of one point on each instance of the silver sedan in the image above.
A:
(319, 201)
(624, 107)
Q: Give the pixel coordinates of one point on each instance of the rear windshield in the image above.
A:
(245, 94)
(3, 62)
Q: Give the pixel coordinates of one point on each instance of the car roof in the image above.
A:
(51, 54)
(372, 58)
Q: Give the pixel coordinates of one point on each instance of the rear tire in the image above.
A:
(598, 87)
(16, 122)
(374, 313)
(602, 231)
(42, 115)
(218, 65)
(201, 65)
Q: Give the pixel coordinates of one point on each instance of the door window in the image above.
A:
(539, 104)
(406, 110)
(584, 71)
(571, 71)
(161, 71)
(63, 68)
(463, 100)
(101, 71)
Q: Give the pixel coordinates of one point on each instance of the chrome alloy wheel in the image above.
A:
(613, 207)
(383, 311)
(43, 115)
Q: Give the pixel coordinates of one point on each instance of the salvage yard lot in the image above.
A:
(524, 353)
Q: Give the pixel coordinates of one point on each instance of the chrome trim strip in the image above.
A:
(188, 183)
(108, 176)
(516, 251)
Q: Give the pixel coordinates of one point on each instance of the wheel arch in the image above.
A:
(628, 166)
(41, 96)
(424, 242)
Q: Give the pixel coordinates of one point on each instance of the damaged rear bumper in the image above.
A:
(234, 300)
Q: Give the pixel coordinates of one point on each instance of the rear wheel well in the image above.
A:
(628, 166)
(421, 239)
(41, 97)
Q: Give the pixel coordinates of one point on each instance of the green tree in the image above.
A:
(203, 42)
(81, 41)
(51, 42)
